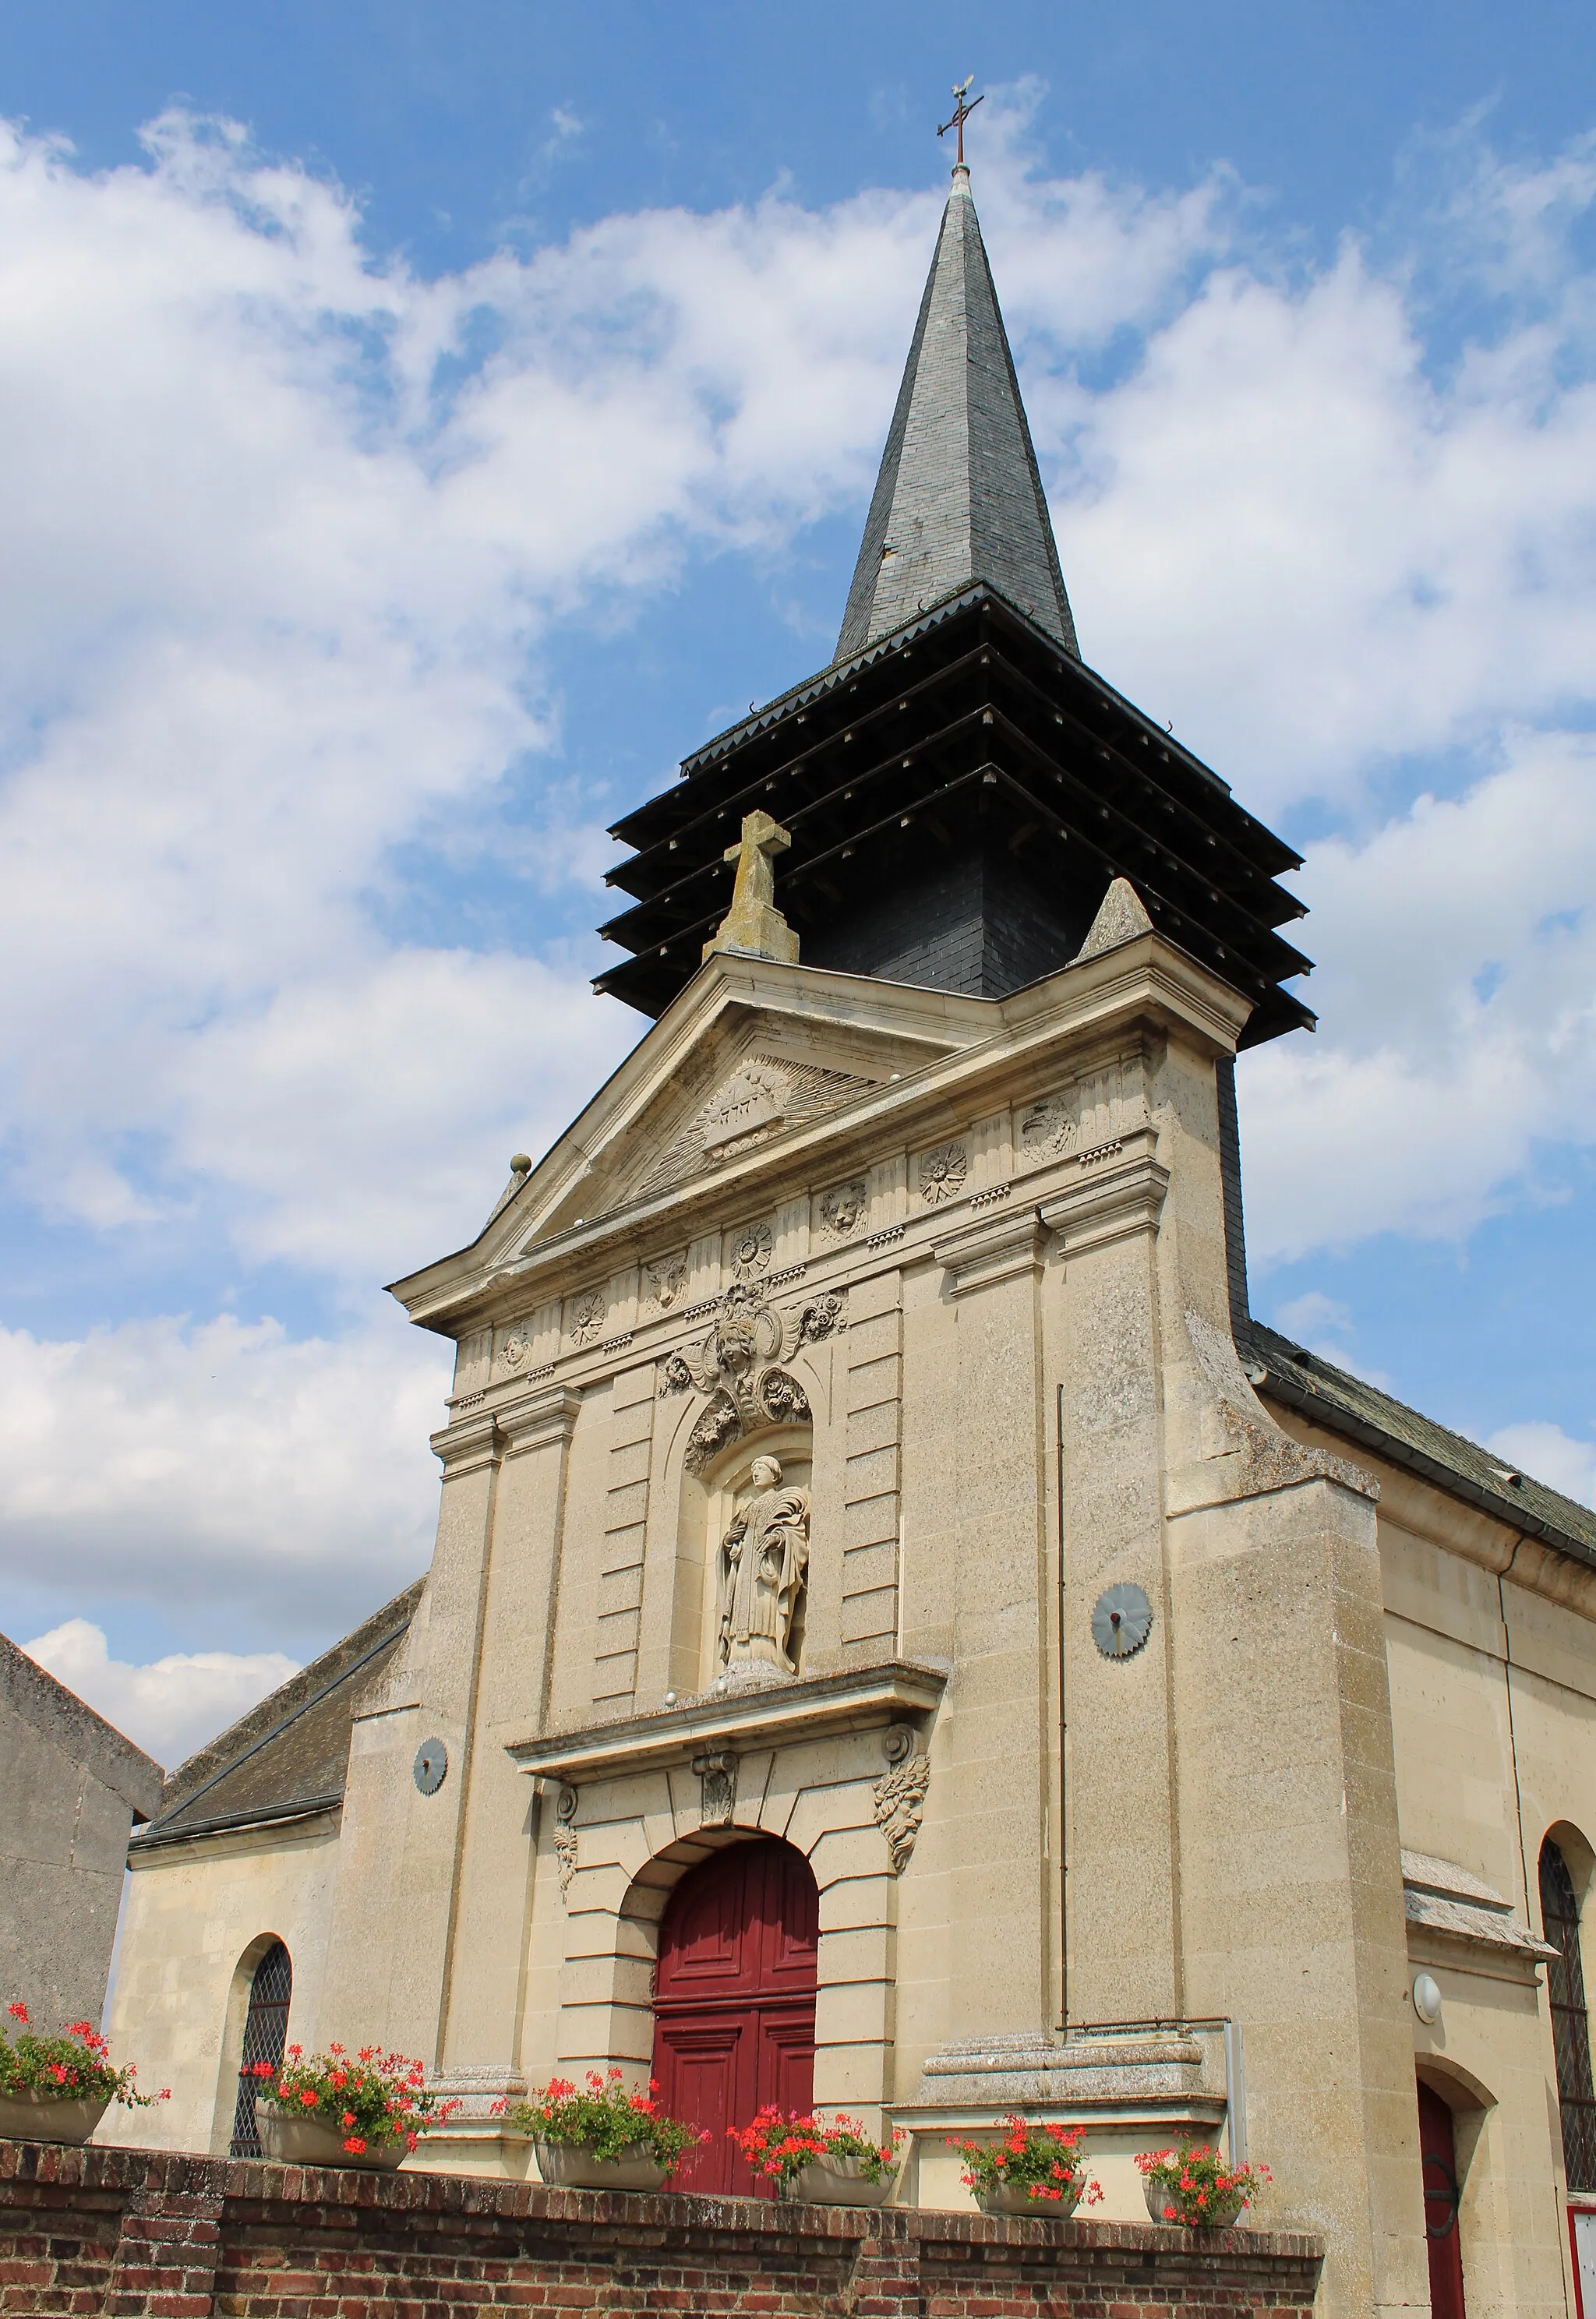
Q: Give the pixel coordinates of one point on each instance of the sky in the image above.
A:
(422, 425)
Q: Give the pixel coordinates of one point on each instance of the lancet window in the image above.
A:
(1571, 2029)
(266, 2032)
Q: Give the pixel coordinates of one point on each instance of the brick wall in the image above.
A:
(141, 2234)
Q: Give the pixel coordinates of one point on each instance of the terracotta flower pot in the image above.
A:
(1015, 2198)
(310, 2141)
(842, 2182)
(571, 2166)
(43, 2118)
(1218, 2217)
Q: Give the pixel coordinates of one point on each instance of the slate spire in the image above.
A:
(958, 497)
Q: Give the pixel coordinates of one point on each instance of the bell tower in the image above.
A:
(849, 1453)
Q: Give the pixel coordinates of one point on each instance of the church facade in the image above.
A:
(901, 1636)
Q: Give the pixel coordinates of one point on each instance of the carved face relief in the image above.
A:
(675, 1376)
(589, 1312)
(1046, 1128)
(943, 1173)
(516, 1346)
(750, 1251)
(665, 1278)
(900, 1806)
(842, 1209)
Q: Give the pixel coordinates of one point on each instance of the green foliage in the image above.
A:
(1199, 2189)
(606, 2119)
(780, 2145)
(376, 2098)
(1044, 2162)
(74, 2066)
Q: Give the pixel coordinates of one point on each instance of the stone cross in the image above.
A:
(754, 924)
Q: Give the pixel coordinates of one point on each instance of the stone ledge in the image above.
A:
(38, 2177)
(775, 1714)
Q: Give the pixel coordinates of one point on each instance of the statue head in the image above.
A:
(766, 1474)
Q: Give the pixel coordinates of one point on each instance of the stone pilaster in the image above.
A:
(488, 1932)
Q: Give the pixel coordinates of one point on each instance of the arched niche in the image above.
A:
(711, 1494)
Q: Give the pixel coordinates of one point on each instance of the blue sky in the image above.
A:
(420, 426)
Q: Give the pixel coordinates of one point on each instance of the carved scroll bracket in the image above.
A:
(718, 1788)
(565, 1838)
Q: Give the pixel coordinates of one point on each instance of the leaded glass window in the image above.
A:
(266, 2032)
(1570, 2032)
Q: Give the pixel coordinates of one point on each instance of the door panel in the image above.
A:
(787, 2058)
(707, 2071)
(735, 2000)
(1442, 2237)
(790, 1909)
(710, 1950)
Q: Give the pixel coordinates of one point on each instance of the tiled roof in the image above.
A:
(287, 1758)
(1361, 1412)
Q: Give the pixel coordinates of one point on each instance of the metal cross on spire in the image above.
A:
(961, 112)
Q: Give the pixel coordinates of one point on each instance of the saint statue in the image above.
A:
(765, 1558)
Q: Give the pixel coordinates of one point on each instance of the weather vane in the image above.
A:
(961, 112)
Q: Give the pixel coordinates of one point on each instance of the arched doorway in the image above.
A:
(266, 2032)
(1437, 2149)
(735, 1999)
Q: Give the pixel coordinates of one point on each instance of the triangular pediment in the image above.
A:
(754, 1053)
(757, 1076)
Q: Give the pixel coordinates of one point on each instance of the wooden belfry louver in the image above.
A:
(960, 789)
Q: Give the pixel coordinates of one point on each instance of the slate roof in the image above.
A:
(958, 497)
(82, 1736)
(1361, 1412)
(286, 1759)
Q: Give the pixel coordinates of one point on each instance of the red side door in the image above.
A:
(735, 2000)
(1440, 2154)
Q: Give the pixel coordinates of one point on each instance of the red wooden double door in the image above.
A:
(735, 2000)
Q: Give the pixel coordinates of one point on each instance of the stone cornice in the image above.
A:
(857, 1699)
(1122, 1196)
(466, 1443)
(1106, 1001)
(538, 1419)
(990, 1249)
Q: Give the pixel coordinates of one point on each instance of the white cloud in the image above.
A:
(278, 551)
(288, 1484)
(1458, 1000)
(1324, 1325)
(169, 1707)
(1547, 1454)
(1319, 549)
(282, 556)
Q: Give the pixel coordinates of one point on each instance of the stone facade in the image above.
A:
(859, 1439)
(995, 1272)
(73, 1788)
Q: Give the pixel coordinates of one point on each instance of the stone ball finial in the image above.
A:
(520, 1163)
